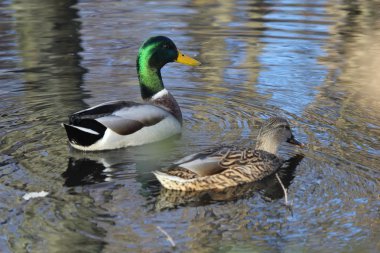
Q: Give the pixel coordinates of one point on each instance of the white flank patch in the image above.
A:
(160, 94)
(32, 195)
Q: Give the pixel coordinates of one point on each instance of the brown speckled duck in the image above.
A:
(228, 166)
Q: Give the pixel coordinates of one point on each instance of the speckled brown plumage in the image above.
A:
(269, 187)
(228, 166)
(182, 173)
(236, 166)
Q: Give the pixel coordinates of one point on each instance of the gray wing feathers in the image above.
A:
(203, 167)
(120, 125)
(204, 163)
(124, 117)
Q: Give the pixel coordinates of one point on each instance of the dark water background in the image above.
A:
(316, 63)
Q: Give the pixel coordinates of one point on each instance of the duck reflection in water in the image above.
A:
(87, 171)
(133, 163)
(84, 171)
(269, 188)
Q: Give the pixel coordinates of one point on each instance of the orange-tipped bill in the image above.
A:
(187, 60)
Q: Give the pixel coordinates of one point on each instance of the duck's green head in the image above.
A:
(153, 55)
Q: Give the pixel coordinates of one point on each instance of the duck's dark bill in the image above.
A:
(187, 60)
(295, 142)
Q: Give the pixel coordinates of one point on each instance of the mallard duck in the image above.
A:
(227, 166)
(120, 124)
(269, 188)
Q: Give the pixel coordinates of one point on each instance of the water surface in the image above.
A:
(314, 63)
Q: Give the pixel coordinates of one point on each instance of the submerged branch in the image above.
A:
(168, 237)
(283, 188)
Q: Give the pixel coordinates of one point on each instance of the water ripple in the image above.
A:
(304, 61)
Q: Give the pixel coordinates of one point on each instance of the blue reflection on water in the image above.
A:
(289, 44)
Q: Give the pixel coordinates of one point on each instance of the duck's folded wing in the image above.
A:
(120, 125)
(122, 117)
(204, 163)
(101, 110)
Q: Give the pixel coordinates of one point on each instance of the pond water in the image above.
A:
(316, 63)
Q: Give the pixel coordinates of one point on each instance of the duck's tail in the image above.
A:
(171, 182)
(80, 136)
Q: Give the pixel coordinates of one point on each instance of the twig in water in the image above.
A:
(168, 237)
(283, 188)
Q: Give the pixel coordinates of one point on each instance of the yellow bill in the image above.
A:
(187, 60)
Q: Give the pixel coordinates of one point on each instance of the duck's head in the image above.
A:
(275, 131)
(157, 51)
(153, 54)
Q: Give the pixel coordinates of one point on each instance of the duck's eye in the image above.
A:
(165, 46)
